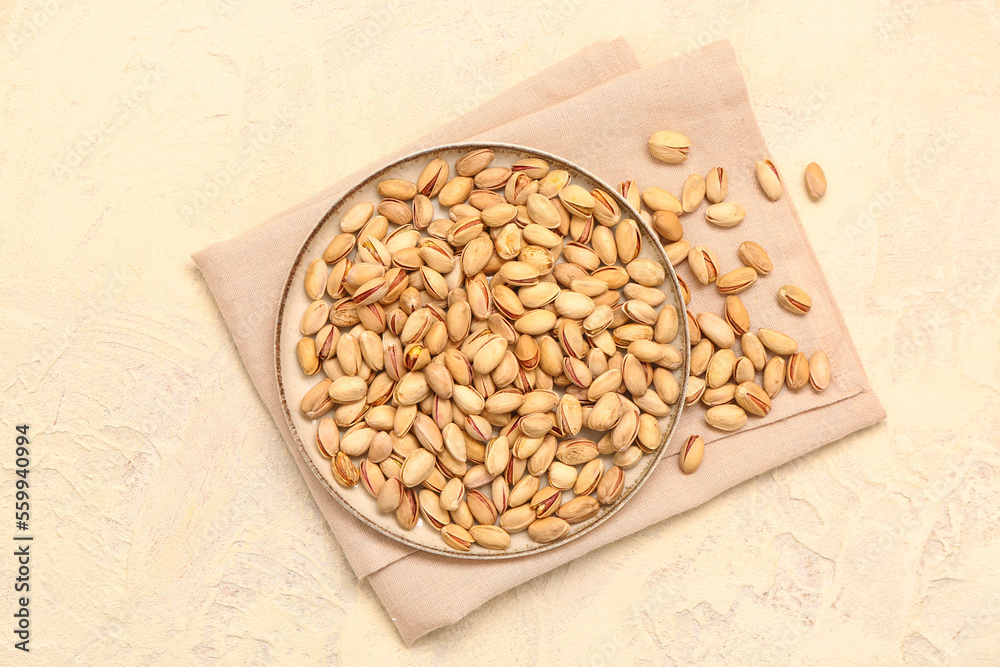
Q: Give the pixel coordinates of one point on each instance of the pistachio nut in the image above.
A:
(725, 214)
(658, 199)
(577, 200)
(797, 374)
(755, 257)
(769, 179)
(396, 211)
(819, 370)
(355, 218)
(316, 402)
(737, 315)
(628, 241)
(744, 370)
(482, 508)
(666, 386)
(777, 342)
(390, 494)
(667, 324)
(815, 180)
(548, 529)
(314, 318)
(474, 162)
(693, 193)
(490, 537)
(305, 351)
(736, 280)
(726, 417)
(433, 177)
(720, 368)
(753, 399)
(704, 264)
(716, 185)
(605, 210)
(677, 251)
(578, 509)
(546, 501)
(408, 511)
(590, 475)
(396, 188)
(492, 178)
(701, 354)
(610, 488)
(344, 470)
(430, 508)
(630, 191)
(669, 147)
(716, 330)
(695, 390)
(327, 437)
(774, 376)
(457, 537)
(462, 516)
(561, 476)
(315, 279)
(794, 299)
(517, 518)
(417, 467)
(753, 350)
(691, 454)
(646, 272)
(649, 434)
(552, 183)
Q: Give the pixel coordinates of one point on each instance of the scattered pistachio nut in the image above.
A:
(716, 185)
(725, 214)
(815, 180)
(691, 454)
(669, 147)
(794, 299)
(754, 256)
(769, 179)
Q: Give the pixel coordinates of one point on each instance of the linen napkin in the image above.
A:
(597, 109)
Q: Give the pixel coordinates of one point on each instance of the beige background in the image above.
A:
(172, 526)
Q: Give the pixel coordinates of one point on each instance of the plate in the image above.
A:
(293, 383)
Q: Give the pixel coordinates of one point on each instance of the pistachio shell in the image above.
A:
(815, 180)
(769, 179)
(670, 147)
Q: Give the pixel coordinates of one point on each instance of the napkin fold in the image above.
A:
(597, 108)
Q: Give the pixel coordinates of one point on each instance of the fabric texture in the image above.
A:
(596, 109)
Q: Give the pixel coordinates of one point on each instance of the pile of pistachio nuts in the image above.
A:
(466, 359)
(726, 383)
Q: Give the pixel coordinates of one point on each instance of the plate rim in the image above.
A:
(279, 319)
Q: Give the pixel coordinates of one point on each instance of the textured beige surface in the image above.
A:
(136, 134)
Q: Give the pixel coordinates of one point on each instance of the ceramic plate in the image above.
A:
(293, 383)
